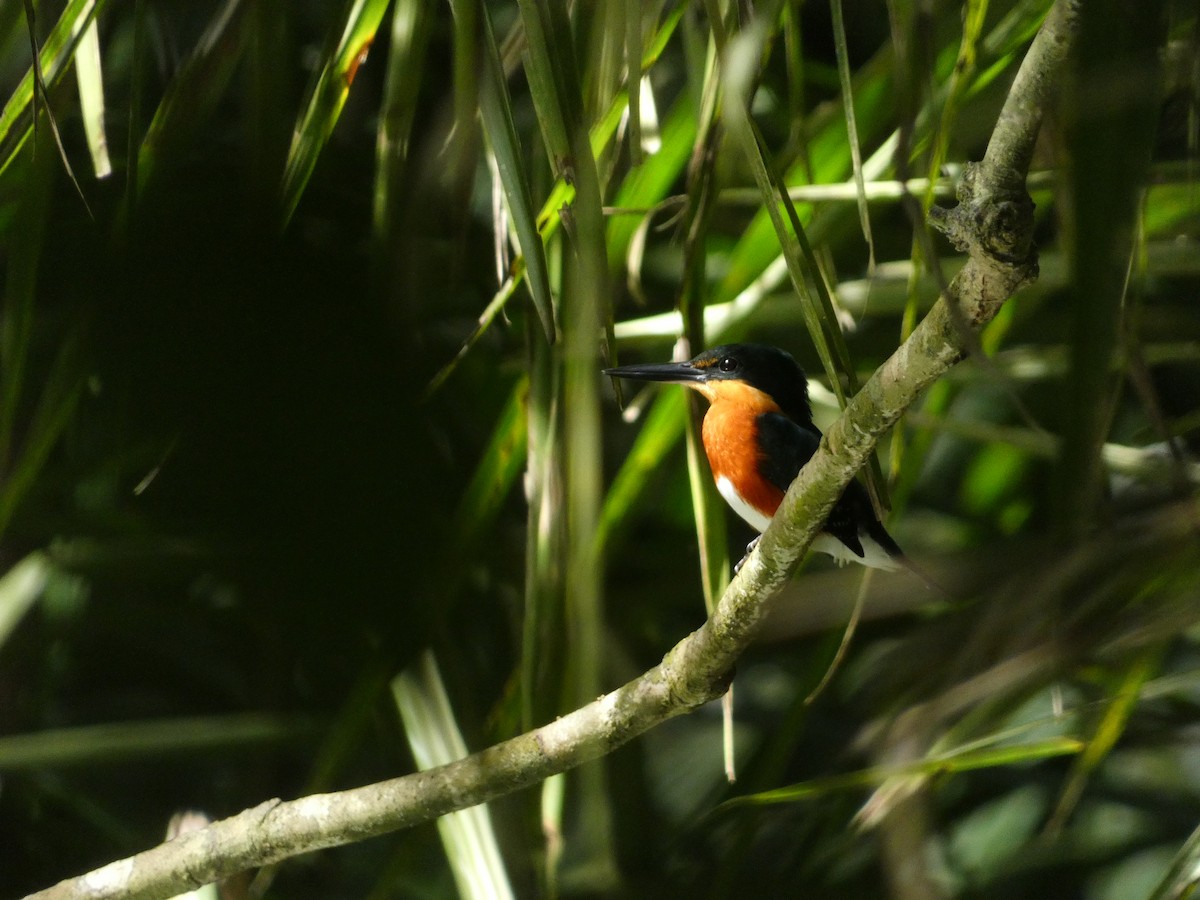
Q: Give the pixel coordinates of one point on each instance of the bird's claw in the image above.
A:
(749, 549)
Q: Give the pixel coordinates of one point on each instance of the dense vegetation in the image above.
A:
(283, 404)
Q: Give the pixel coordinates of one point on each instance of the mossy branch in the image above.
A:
(993, 223)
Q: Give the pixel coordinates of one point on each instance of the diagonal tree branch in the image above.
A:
(993, 223)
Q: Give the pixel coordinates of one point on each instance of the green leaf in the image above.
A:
(55, 55)
(661, 431)
(327, 96)
(819, 315)
(843, 61)
(501, 131)
(20, 588)
(468, 838)
(193, 94)
(91, 745)
(1111, 727)
(90, 77)
(944, 764)
(412, 21)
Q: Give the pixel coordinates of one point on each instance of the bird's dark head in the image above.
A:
(754, 373)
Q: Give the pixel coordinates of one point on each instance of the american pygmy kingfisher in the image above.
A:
(758, 433)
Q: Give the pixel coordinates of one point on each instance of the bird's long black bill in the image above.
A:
(676, 373)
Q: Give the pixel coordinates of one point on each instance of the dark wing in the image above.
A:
(786, 448)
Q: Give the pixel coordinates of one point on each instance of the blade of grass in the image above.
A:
(459, 156)
(542, 648)
(560, 197)
(90, 77)
(740, 61)
(1111, 727)
(843, 64)
(59, 396)
(42, 92)
(828, 160)
(603, 130)
(193, 94)
(659, 433)
(827, 156)
(633, 77)
(1183, 875)
(708, 510)
(943, 764)
(92, 745)
(26, 242)
(555, 81)
(52, 61)
(412, 22)
(493, 309)
(961, 77)
(647, 186)
(327, 96)
(20, 588)
(434, 737)
(1110, 144)
(501, 132)
(540, 655)
(728, 319)
(540, 70)
(497, 471)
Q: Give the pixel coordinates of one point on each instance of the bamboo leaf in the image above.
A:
(1111, 145)
(497, 471)
(20, 292)
(561, 196)
(91, 745)
(435, 739)
(192, 95)
(20, 588)
(544, 84)
(55, 55)
(819, 315)
(633, 77)
(1108, 731)
(89, 74)
(501, 131)
(944, 764)
(843, 64)
(56, 405)
(327, 96)
(411, 24)
(661, 431)
(1183, 876)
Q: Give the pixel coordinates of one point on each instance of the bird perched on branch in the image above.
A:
(758, 433)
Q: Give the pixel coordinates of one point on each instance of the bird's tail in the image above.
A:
(899, 560)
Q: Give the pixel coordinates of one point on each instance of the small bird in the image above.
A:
(758, 433)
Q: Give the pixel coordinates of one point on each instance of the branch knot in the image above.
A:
(993, 219)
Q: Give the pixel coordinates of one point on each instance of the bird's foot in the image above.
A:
(749, 549)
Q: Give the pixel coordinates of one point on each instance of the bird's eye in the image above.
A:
(728, 364)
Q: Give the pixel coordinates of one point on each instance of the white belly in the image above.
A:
(752, 516)
(873, 554)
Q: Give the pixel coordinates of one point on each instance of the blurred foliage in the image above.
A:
(279, 411)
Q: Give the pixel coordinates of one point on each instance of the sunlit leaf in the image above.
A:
(327, 95)
(55, 55)
(502, 136)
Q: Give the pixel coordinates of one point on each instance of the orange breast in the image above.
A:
(730, 441)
